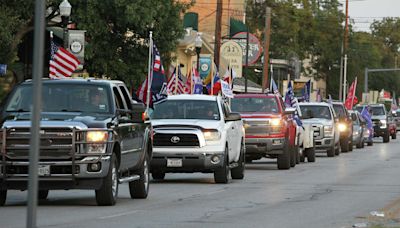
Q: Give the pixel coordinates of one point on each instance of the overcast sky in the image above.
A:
(363, 12)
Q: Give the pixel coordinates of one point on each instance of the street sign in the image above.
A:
(255, 48)
(205, 65)
(233, 54)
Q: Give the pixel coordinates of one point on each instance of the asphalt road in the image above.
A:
(333, 192)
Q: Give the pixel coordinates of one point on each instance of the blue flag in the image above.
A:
(274, 87)
(306, 91)
(289, 97)
(159, 77)
(365, 114)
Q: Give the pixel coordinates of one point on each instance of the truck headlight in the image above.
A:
(328, 131)
(211, 135)
(96, 136)
(342, 127)
(383, 123)
(275, 122)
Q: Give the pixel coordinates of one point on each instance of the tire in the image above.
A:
(238, 172)
(360, 144)
(344, 145)
(331, 152)
(293, 152)
(249, 160)
(351, 145)
(298, 156)
(386, 137)
(311, 154)
(157, 175)
(394, 136)
(284, 158)
(370, 143)
(221, 175)
(3, 197)
(108, 192)
(337, 150)
(140, 189)
(42, 194)
(302, 157)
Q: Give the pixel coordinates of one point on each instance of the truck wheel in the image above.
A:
(107, 194)
(42, 194)
(157, 175)
(311, 154)
(298, 155)
(351, 145)
(293, 156)
(249, 160)
(302, 157)
(284, 158)
(386, 137)
(344, 144)
(394, 136)
(3, 197)
(140, 189)
(331, 152)
(370, 143)
(238, 172)
(337, 150)
(221, 174)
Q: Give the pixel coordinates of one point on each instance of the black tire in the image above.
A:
(108, 192)
(360, 144)
(221, 175)
(370, 143)
(293, 152)
(386, 137)
(238, 172)
(394, 136)
(302, 157)
(158, 175)
(298, 157)
(337, 150)
(331, 152)
(284, 158)
(351, 145)
(249, 160)
(310, 154)
(140, 189)
(42, 194)
(3, 197)
(344, 145)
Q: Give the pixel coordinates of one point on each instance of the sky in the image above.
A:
(364, 12)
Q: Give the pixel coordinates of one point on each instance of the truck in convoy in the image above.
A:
(270, 132)
(379, 119)
(197, 133)
(92, 136)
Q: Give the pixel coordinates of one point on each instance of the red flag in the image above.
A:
(351, 96)
(142, 92)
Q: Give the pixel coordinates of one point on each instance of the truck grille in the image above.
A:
(55, 143)
(261, 127)
(185, 140)
(318, 129)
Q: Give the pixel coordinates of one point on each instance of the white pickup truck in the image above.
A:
(197, 133)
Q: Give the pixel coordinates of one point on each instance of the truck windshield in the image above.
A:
(62, 98)
(339, 110)
(375, 111)
(315, 111)
(254, 104)
(186, 109)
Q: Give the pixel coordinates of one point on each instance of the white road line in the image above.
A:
(119, 215)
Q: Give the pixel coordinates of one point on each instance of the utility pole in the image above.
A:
(344, 52)
(267, 40)
(345, 41)
(218, 20)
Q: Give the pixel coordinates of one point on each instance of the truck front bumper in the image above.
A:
(186, 160)
(264, 146)
(380, 132)
(324, 143)
(59, 174)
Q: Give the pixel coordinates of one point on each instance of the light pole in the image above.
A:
(198, 43)
(65, 12)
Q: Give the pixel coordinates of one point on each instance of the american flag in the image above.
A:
(62, 63)
(189, 82)
(157, 67)
(172, 83)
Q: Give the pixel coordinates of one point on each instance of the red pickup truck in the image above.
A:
(270, 131)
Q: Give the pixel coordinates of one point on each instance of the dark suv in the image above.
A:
(345, 126)
(379, 120)
(92, 136)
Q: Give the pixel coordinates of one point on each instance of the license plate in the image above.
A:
(44, 170)
(174, 162)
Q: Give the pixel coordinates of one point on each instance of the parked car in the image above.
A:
(92, 136)
(359, 129)
(379, 119)
(323, 119)
(270, 132)
(197, 133)
(345, 126)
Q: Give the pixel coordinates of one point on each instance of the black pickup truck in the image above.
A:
(92, 136)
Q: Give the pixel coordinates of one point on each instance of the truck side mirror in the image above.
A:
(233, 116)
(137, 112)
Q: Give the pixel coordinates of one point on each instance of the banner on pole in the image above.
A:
(226, 89)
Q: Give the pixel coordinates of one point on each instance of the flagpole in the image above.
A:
(191, 80)
(176, 75)
(149, 74)
(354, 92)
(212, 77)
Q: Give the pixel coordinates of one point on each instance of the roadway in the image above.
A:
(333, 192)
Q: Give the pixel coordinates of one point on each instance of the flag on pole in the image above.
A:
(330, 99)
(351, 96)
(62, 62)
(197, 83)
(175, 82)
(189, 83)
(306, 91)
(274, 87)
(319, 97)
(394, 106)
(141, 93)
(367, 117)
(158, 76)
(289, 96)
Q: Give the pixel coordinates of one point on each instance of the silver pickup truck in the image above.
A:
(92, 136)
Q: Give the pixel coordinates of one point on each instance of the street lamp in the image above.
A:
(198, 43)
(65, 12)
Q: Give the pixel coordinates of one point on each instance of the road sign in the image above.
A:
(255, 48)
(233, 54)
